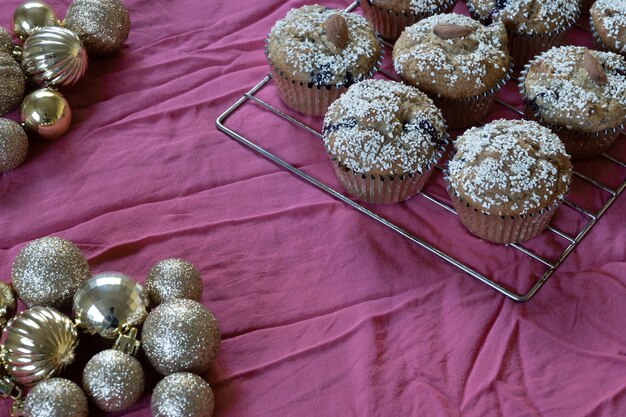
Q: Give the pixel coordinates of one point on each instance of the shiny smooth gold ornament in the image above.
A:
(6, 45)
(102, 25)
(109, 303)
(113, 380)
(46, 113)
(173, 278)
(13, 146)
(30, 16)
(54, 57)
(182, 395)
(8, 303)
(56, 397)
(180, 336)
(38, 344)
(48, 271)
(12, 83)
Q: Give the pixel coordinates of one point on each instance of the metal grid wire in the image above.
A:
(550, 265)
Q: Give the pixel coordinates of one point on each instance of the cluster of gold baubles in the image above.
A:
(50, 55)
(179, 336)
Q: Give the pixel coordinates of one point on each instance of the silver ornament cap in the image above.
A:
(180, 336)
(182, 395)
(173, 278)
(56, 397)
(48, 271)
(109, 303)
(113, 380)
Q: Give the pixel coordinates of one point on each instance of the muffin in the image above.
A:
(460, 63)
(533, 26)
(384, 137)
(580, 94)
(506, 179)
(390, 17)
(316, 53)
(608, 25)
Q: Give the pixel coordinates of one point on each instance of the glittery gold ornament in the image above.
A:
(13, 145)
(54, 57)
(182, 395)
(8, 303)
(173, 278)
(12, 82)
(109, 302)
(46, 113)
(6, 45)
(113, 380)
(48, 271)
(180, 336)
(38, 344)
(102, 25)
(30, 16)
(56, 397)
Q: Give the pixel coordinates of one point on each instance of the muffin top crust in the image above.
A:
(609, 19)
(300, 47)
(527, 16)
(509, 167)
(562, 87)
(431, 56)
(421, 7)
(384, 128)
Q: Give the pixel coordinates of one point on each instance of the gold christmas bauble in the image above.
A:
(108, 303)
(6, 45)
(12, 83)
(54, 57)
(38, 344)
(30, 16)
(8, 303)
(180, 336)
(46, 113)
(102, 25)
(173, 278)
(56, 397)
(13, 145)
(113, 380)
(48, 271)
(182, 395)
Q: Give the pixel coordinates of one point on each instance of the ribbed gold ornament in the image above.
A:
(54, 57)
(39, 343)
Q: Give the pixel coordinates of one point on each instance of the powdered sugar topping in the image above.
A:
(510, 167)
(383, 127)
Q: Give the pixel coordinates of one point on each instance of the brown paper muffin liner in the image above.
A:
(386, 189)
(390, 24)
(523, 46)
(465, 112)
(309, 98)
(578, 144)
(500, 229)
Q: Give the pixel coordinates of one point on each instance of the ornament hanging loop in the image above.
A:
(127, 341)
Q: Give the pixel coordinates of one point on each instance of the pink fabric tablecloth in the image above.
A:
(323, 312)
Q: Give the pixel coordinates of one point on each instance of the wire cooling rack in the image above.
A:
(549, 264)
